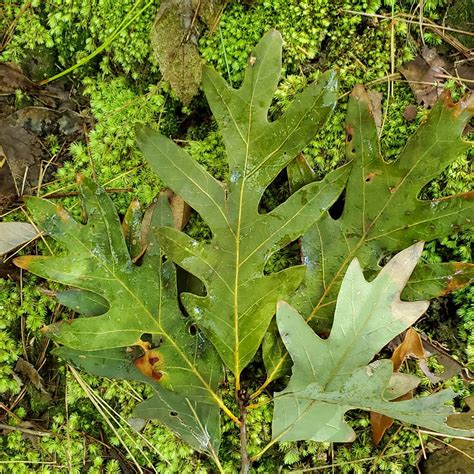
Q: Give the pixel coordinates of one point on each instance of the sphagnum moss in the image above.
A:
(122, 88)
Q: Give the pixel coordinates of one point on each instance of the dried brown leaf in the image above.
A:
(411, 346)
(174, 44)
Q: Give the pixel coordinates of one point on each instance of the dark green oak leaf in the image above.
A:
(334, 375)
(142, 299)
(382, 213)
(240, 301)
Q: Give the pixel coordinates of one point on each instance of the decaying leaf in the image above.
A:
(28, 371)
(15, 234)
(175, 47)
(411, 346)
(375, 101)
(21, 149)
(142, 303)
(180, 210)
(232, 265)
(22, 153)
(13, 79)
(427, 73)
(174, 39)
(334, 375)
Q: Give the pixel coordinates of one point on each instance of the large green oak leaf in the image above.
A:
(240, 300)
(382, 214)
(142, 314)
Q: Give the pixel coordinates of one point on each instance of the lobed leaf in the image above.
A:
(142, 310)
(196, 423)
(239, 304)
(382, 212)
(334, 375)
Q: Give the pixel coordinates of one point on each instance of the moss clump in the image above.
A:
(75, 28)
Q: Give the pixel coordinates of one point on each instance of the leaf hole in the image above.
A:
(286, 257)
(173, 413)
(147, 337)
(192, 330)
(275, 194)
(336, 210)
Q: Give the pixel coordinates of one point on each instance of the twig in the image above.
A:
(25, 430)
(76, 193)
(242, 400)
(406, 20)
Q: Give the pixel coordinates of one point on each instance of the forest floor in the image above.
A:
(76, 77)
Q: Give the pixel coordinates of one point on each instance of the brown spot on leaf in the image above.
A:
(150, 363)
(371, 176)
(62, 214)
(349, 133)
(460, 277)
(24, 261)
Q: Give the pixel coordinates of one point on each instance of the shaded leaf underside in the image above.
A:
(331, 376)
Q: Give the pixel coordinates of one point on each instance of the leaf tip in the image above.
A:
(24, 261)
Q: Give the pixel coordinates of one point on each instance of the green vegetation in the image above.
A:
(124, 88)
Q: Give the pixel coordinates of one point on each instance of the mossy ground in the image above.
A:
(123, 88)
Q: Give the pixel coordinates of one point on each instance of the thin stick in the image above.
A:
(244, 455)
(447, 436)
(25, 430)
(413, 22)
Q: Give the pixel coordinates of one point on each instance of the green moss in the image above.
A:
(75, 28)
(124, 89)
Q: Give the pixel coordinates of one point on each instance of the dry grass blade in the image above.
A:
(109, 414)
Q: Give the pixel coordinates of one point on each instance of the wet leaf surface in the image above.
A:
(231, 265)
(382, 212)
(13, 79)
(143, 312)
